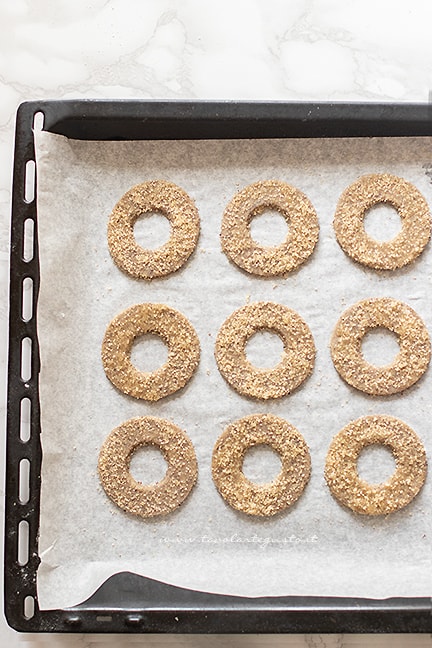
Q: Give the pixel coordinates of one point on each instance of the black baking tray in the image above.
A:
(127, 603)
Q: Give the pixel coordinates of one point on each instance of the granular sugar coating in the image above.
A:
(376, 499)
(153, 196)
(228, 455)
(174, 329)
(298, 354)
(373, 189)
(411, 361)
(295, 207)
(133, 496)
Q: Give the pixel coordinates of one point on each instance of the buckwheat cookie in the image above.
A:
(373, 189)
(174, 329)
(153, 196)
(298, 355)
(228, 455)
(376, 499)
(269, 261)
(147, 500)
(414, 342)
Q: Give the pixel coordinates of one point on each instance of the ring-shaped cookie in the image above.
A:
(370, 190)
(133, 496)
(177, 333)
(269, 261)
(376, 499)
(227, 463)
(297, 359)
(408, 366)
(153, 196)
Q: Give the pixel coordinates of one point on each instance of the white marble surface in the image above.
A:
(230, 49)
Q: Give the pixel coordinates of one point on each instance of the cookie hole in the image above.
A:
(29, 607)
(269, 228)
(24, 481)
(149, 353)
(27, 299)
(376, 464)
(264, 349)
(23, 542)
(148, 465)
(152, 230)
(25, 416)
(261, 464)
(382, 222)
(28, 245)
(380, 347)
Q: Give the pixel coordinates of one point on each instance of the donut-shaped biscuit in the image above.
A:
(376, 499)
(153, 196)
(177, 333)
(228, 455)
(370, 190)
(266, 261)
(297, 359)
(133, 496)
(408, 366)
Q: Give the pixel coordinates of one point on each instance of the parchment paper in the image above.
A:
(315, 548)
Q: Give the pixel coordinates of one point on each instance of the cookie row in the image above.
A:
(298, 355)
(274, 261)
(341, 474)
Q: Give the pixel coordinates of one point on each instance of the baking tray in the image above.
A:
(127, 603)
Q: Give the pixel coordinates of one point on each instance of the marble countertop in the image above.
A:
(360, 50)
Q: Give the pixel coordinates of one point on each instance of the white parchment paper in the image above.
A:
(315, 548)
